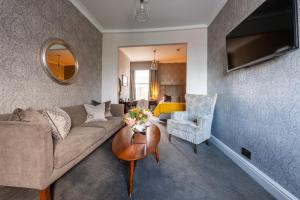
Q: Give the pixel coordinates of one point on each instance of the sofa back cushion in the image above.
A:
(77, 114)
(5, 117)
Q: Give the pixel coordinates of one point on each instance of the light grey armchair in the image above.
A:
(194, 124)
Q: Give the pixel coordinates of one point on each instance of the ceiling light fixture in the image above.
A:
(142, 13)
(154, 64)
(58, 66)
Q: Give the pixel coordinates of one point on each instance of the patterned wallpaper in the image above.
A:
(172, 78)
(25, 25)
(258, 107)
(172, 73)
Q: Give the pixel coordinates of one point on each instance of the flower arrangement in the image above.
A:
(137, 118)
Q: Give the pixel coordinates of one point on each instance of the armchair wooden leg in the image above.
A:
(206, 142)
(45, 194)
(170, 137)
(195, 148)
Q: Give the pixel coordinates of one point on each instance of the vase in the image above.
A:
(140, 128)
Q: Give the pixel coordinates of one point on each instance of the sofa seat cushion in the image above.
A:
(111, 124)
(78, 141)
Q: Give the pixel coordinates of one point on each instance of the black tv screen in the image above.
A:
(271, 30)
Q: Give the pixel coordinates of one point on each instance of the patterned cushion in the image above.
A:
(28, 115)
(59, 121)
(16, 115)
(95, 113)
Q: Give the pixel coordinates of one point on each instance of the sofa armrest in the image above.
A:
(179, 116)
(117, 110)
(26, 154)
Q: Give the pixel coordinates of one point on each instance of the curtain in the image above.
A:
(154, 84)
(132, 85)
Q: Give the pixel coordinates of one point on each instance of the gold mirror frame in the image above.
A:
(46, 67)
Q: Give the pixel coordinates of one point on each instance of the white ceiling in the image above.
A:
(164, 53)
(118, 15)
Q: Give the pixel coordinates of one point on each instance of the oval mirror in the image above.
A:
(59, 61)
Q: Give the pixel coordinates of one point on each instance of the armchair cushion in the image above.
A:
(181, 115)
(187, 130)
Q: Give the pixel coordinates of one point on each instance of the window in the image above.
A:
(142, 84)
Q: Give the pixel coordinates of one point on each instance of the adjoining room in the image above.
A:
(153, 77)
(149, 100)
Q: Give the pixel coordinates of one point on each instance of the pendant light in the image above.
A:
(142, 14)
(154, 64)
(58, 62)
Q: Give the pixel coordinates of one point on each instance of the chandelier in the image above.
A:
(154, 64)
(58, 66)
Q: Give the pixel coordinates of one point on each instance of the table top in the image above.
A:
(124, 148)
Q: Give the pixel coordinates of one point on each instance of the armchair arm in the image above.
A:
(26, 154)
(117, 110)
(204, 122)
(201, 120)
(181, 115)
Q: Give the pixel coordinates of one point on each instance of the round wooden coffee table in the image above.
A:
(128, 148)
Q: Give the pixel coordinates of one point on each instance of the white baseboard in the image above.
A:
(265, 181)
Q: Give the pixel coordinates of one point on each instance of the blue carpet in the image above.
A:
(181, 174)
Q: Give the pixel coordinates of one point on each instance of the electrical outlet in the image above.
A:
(246, 153)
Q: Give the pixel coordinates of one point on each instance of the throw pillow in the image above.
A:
(167, 98)
(15, 116)
(107, 107)
(28, 115)
(59, 121)
(95, 113)
(175, 99)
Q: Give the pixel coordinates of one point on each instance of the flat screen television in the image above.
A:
(270, 31)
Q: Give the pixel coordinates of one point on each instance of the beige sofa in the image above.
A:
(30, 158)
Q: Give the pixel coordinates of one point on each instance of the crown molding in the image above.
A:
(87, 14)
(175, 28)
(98, 25)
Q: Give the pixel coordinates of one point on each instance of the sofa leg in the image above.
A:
(206, 142)
(195, 148)
(45, 194)
(170, 136)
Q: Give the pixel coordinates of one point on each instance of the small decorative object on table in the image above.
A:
(137, 119)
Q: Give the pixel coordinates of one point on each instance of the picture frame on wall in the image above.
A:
(124, 80)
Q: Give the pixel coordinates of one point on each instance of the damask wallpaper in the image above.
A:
(25, 25)
(172, 78)
(172, 73)
(258, 107)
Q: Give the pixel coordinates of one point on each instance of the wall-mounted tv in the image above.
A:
(270, 31)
